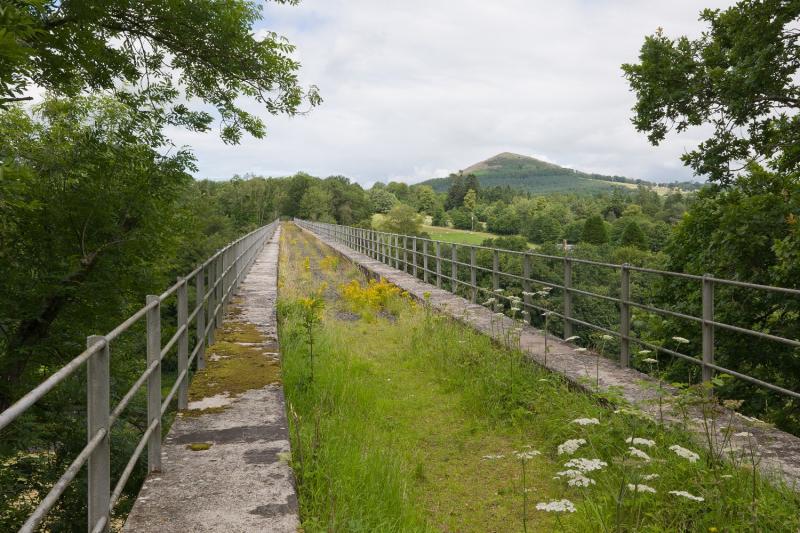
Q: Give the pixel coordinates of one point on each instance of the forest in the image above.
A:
(99, 207)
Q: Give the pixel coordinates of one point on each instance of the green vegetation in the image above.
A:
(404, 429)
(457, 235)
(528, 174)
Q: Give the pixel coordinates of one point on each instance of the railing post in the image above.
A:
(154, 383)
(220, 289)
(708, 328)
(526, 284)
(405, 253)
(212, 299)
(454, 268)
(97, 412)
(396, 251)
(414, 255)
(625, 317)
(438, 247)
(473, 274)
(425, 261)
(495, 269)
(567, 297)
(183, 343)
(201, 319)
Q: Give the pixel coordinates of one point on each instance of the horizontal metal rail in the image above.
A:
(215, 281)
(414, 254)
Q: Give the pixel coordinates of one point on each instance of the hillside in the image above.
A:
(530, 174)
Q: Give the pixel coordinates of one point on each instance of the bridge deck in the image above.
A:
(225, 459)
(778, 452)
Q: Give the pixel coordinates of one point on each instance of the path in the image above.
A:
(225, 460)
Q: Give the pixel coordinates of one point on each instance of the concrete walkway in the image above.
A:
(225, 466)
(779, 452)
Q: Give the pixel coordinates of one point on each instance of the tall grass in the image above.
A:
(412, 421)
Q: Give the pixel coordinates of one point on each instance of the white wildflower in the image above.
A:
(639, 454)
(650, 360)
(527, 293)
(493, 457)
(746, 434)
(650, 477)
(636, 441)
(726, 476)
(547, 313)
(580, 350)
(607, 337)
(570, 446)
(527, 455)
(580, 481)
(645, 352)
(573, 338)
(586, 421)
(683, 452)
(556, 506)
(641, 488)
(498, 291)
(489, 302)
(681, 340)
(585, 465)
(687, 495)
(499, 315)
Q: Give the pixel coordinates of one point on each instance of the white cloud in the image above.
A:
(417, 88)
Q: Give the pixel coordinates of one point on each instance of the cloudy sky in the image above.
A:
(419, 88)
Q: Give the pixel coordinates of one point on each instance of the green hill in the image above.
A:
(530, 174)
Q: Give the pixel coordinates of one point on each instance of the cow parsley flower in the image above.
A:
(527, 455)
(687, 495)
(573, 338)
(607, 337)
(681, 340)
(645, 352)
(636, 441)
(683, 452)
(650, 477)
(580, 350)
(641, 488)
(556, 506)
(639, 454)
(586, 421)
(585, 465)
(580, 481)
(650, 360)
(746, 434)
(493, 457)
(489, 302)
(498, 291)
(570, 446)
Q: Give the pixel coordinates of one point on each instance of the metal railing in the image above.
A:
(413, 255)
(214, 282)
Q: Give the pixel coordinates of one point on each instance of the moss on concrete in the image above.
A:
(241, 359)
(199, 446)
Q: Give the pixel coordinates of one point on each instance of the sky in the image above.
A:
(420, 88)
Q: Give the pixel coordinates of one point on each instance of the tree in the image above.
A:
(316, 204)
(470, 201)
(381, 200)
(741, 77)
(426, 199)
(633, 235)
(136, 49)
(456, 192)
(594, 230)
(402, 219)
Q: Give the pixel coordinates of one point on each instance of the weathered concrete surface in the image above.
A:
(242, 482)
(778, 453)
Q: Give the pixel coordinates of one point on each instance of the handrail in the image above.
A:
(215, 280)
(393, 249)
